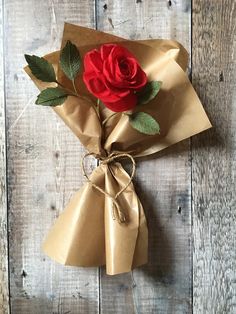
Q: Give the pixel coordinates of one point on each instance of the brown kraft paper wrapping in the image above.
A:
(86, 234)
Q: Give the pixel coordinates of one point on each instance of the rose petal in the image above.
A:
(93, 61)
(96, 86)
(113, 75)
(124, 104)
(105, 50)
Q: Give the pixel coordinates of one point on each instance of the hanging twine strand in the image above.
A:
(117, 213)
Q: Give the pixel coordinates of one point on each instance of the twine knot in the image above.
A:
(117, 213)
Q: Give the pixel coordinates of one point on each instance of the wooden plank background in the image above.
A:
(4, 281)
(188, 191)
(214, 158)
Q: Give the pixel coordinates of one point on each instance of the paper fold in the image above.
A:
(85, 234)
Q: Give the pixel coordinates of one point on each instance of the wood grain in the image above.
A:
(43, 165)
(214, 158)
(163, 184)
(44, 169)
(4, 293)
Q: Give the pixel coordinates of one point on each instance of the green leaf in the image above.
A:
(70, 60)
(51, 97)
(144, 123)
(41, 68)
(149, 92)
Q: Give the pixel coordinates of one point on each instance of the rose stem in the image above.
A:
(78, 96)
(98, 107)
(109, 117)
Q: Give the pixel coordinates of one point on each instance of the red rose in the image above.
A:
(113, 75)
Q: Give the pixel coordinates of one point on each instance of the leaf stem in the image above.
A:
(73, 83)
(58, 83)
(70, 92)
(75, 94)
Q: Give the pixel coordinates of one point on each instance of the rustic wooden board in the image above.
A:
(44, 169)
(4, 293)
(214, 159)
(43, 165)
(163, 184)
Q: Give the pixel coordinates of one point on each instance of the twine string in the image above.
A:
(117, 213)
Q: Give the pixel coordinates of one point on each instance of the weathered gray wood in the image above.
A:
(214, 158)
(43, 165)
(43, 169)
(4, 293)
(163, 184)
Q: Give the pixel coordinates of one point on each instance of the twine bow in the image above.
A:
(117, 213)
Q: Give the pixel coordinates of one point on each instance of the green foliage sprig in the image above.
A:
(70, 63)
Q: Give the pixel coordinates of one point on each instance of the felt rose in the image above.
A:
(113, 75)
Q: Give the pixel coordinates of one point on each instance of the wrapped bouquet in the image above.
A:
(123, 99)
